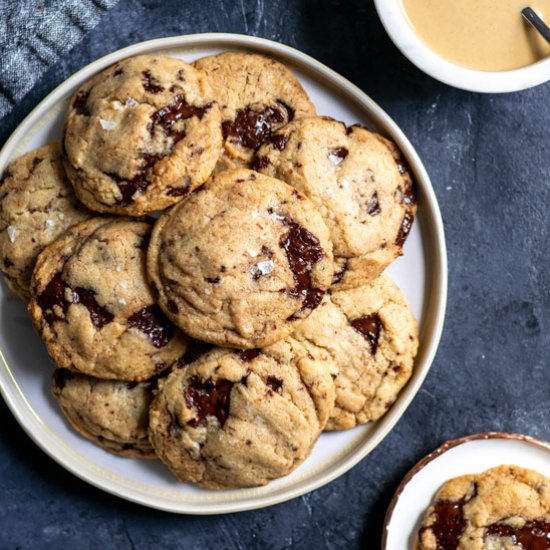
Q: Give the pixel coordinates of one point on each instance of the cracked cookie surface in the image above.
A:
(93, 307)
(370, 334)
(239, 262)
(358, 181)
(504, 508)
(111, 413)
(257, 95)
(241, 418)
(141, 135)
(37, 205)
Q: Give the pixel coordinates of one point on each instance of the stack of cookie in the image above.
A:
(226, 335)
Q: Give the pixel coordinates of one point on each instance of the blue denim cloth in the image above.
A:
(34, 34)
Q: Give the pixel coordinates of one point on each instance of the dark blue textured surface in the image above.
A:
(489, 158)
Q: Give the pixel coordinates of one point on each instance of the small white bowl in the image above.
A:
(394, 19)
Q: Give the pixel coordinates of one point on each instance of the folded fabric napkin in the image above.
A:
(34, 34)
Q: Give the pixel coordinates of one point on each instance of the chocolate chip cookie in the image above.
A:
(257, 95)
(371, 335)
(241, 418)
(358, 181)
(93, 307)
(507, 507)
(239, 262)
(37, 205)
(141, 135)
(112, 414)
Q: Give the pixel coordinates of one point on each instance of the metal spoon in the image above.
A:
(530, 15)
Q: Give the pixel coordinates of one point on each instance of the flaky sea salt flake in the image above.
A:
(275, 216)
(71, 296)
(335, 159)
(265, 268)
(107, 124)
(12, 232)
(344, 183)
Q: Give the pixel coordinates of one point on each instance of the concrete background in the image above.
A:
(488, 157)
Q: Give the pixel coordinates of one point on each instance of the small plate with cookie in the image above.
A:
(233, 260)
(488, 490)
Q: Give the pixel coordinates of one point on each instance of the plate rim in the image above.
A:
(442, 449)
(14, 397)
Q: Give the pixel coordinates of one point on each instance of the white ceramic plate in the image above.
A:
(421, 273)
(395, 21)
(468, 455)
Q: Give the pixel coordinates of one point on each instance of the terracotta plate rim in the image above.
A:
(443, 449)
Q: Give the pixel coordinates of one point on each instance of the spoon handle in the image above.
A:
(530, 15)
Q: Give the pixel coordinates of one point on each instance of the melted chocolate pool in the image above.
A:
(153, 323)
(303, 250)
(209, 398)
(369, 326)
(534, 535)
(52, 300)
